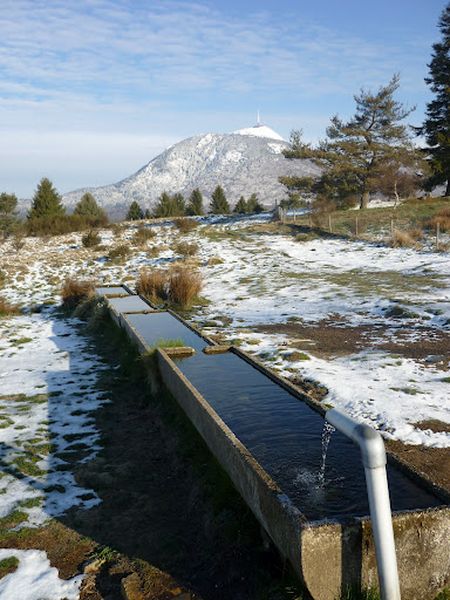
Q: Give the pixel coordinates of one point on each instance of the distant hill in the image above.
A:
(246, 161)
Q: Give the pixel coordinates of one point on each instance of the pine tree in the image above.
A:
(195, 205)
(253, 205)
(219, 203)
(178, 207)
(355, 152)
(87, 207)
(163, 206)
(241, 206)
(8, 215)
(135, 212)
(436, 127)
(46, 201)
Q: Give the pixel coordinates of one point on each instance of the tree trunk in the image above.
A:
(364, 200)
(447, 189)
(397, 199)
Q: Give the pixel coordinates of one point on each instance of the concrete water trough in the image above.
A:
(112, 291)
(268, 438)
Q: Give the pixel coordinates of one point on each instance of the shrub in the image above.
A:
(120, 252)
(401, 239)
(18, 242)
(214, 260)
(91, 239)
(442, 217)
(142, 235)
(186, 249)
(75, 291)
(153, 285)
(184, 286)
(61, 224)
(7, 309)
(185, 225)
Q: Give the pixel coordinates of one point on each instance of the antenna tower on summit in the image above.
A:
(258, 120)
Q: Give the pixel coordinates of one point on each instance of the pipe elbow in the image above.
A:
(369, 441)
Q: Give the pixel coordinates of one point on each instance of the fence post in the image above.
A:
(330, 226)
(437, 235)
(356, 227)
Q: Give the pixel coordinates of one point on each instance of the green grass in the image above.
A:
(355, 593)
(167, 343)
(413, 213)
(8, 565)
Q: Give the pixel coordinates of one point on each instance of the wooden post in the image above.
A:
(437, 235)
(392, 227)
(310, 222)
(356, 227)
(330, 226)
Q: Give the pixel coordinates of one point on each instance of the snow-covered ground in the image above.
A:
(35, 579)
(267, 279)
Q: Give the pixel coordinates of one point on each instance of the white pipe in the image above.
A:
(374, 461)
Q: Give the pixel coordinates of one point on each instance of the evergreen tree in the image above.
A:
(8, 215)
(46, 201)
(87, 207)
(135, 212)
(178, 207)
(241, 206)
(253, 204)
(170, 206)
(195, 205)
(219, 203)
(436, 127)
(355, 152)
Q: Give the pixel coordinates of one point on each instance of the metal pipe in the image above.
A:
(373, 456)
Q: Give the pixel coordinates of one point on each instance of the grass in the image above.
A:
(119, 253)
(91, 239)
(8, 565)
(355, 593)
(153, 285)
(142, 235)
(76, 291)
(413, 214)
(185, 225)
(185, 286)
(186, 249)
(7, 309)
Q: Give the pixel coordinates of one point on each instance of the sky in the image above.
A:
(91, 90)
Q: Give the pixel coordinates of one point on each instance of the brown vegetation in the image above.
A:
(402, 239)
(61, 224)
(184, 286)
(7, 309)
(120, 252)
(75, 291)
(441, 218)
(153, 285)
(186, 249)
(91, 239)
(185, 225)
(142, 235)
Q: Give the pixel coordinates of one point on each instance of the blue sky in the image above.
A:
(91, 90)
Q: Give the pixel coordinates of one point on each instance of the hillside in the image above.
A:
(243, 162)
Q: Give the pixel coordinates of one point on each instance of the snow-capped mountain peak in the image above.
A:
(260, 131)
(247, 161)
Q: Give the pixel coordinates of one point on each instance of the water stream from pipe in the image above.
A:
(327, 432)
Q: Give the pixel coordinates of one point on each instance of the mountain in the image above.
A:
(246, 161)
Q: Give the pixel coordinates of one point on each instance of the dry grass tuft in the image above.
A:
(142, 235)
(214, 260)
(7, 309)
(184, 286)
(442, 217)
(91, 239)
(119, 253)
(185, 225)
(153, 285)
(186, 249)
(402, 239)
(75, 291)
